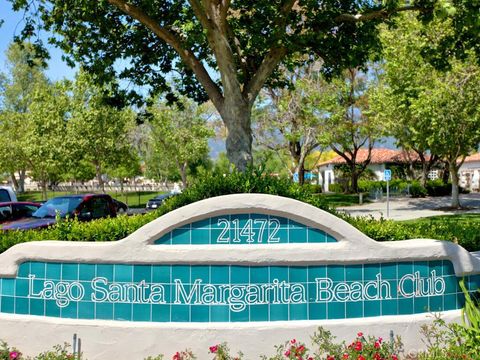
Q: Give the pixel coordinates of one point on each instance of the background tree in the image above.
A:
(17, 87)
(288, 120)
(347, 126)
(178, 137)
(451, 104)
(402, 74)
(98, 132)
(427, 109)
(243, 42)
(47, 122)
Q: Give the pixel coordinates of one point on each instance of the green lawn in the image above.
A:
(457, 218)
(337, 199)
(132, 199)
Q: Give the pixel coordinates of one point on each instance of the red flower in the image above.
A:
(377, 345)
(287, 353)
(176, 356)
(213, 349)
(360, 357)
(360, 334)
(330, 357)
(394, 357)
(377, 356)
(293, 341)
(358, 346)
(380, 340)
(345, 356)
(14, 355)
(301, 349)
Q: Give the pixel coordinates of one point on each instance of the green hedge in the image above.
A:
(462, 230)
(120, 227)
(432, 188)
(465, 232)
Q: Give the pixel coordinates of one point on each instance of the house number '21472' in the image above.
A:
(232, 231)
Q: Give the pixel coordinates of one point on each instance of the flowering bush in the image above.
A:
(444, 342)
(7, 353)
(221, 352)
(57, 353)
(361, 348)
(292, 349)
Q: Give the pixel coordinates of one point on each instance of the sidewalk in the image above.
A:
(408, 208)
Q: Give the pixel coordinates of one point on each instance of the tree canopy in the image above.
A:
(178, 137)
(225, 50)
(429, 110)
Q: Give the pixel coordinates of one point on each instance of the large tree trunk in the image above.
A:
(237, 118)
(455, 190)
(183, 174)
(446, 173)
(295, 149)
(14, 182)
(98, 171)
(44, 189)
(354, 179)
(425, 171)
(22, 174)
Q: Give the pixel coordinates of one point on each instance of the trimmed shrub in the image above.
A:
(417, 190)
(337, 188)
(438, 188)
(462, 231)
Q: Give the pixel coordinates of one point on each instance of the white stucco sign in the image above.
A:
(249, 269)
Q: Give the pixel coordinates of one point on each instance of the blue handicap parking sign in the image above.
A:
(387, 174)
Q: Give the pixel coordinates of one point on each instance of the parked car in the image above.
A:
(13, 211)
(158, 200)
(85, 207)
(120, 207)
(7, 194)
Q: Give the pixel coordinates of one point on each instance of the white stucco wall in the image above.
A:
(134, 341)
(470, 175)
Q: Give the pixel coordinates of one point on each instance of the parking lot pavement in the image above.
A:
(409, 208)
(134, 211)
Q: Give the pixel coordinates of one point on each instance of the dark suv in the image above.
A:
(13, 211)
(84, 207)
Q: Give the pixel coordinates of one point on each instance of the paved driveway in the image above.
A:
(408, 208)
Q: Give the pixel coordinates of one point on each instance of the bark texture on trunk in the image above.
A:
(98, 170)
(455, 189)
(183, 174)
(22, 174)
(354, 179)
(237, 117)
(14, 182)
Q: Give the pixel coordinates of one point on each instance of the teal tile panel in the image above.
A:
(38, 269)
(7, 304)
(37, 307)
(220, 293)
(244, 229)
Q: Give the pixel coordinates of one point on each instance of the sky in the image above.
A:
(12, 26)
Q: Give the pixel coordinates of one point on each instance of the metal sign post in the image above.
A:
(387, 174)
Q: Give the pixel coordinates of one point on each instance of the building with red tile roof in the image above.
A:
(378, 156)
(380, 160)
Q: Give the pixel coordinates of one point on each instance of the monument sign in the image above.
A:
(266, 262)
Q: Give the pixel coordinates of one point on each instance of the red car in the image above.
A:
(13, 211)
(85, 207)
